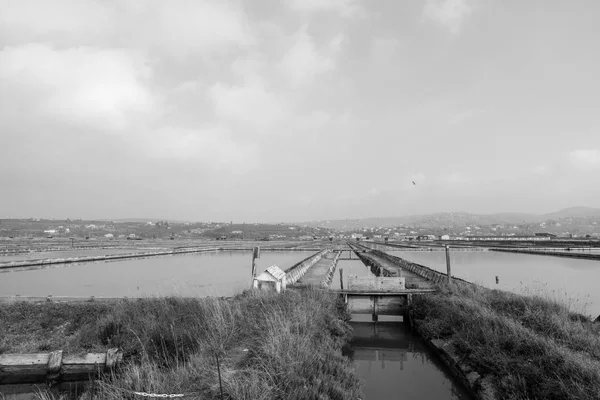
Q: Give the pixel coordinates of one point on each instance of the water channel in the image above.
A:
(391, 361)
(571, 281)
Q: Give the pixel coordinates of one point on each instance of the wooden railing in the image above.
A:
(296, 271)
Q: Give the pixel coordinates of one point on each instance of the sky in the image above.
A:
(297, 110)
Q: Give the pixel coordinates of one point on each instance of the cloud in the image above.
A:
(175, 28)
(303, 61)
(585, 159)
(540, 170)
(466, 115)
(449, 13)
(191, 26)
(454, 178)
(105, 88)
(210, 146)
(251, 103)
(346, 8)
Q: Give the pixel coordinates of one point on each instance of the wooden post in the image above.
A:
(255, 255)
(53, 366)
(341, 278)
(374, 316)
(448, 267)
(112, 358)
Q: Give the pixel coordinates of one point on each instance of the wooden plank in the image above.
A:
(33, 368)
(81, 367)
(391, 283)
(23, 368)
(361, 282)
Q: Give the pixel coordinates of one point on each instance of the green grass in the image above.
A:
(533, 347)
(271, 346)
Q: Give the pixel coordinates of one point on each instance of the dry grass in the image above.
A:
(533, 347)
(270, 346)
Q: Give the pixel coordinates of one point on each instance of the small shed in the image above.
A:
(271, 277)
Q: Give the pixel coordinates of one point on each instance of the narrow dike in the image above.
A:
(585, 256)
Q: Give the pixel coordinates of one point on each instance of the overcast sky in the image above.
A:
(265, 110)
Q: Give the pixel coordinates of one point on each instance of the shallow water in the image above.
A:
(394, 363)
(222, 273)
(569, 280)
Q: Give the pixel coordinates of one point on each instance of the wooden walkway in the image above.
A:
(318, 274)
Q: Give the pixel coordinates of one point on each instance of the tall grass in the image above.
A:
(533, 347)
(270, 346)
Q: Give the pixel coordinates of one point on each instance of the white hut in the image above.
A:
(271, 277)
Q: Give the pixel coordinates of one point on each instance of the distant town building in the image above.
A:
(546, 235)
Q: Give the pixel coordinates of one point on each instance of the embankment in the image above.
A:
(270, 346)
(511, 346)
(586, 256)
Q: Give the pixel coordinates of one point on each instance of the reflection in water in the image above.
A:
(393, 363)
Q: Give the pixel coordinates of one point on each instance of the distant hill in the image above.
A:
(457, 219)
(142, 220)
(574, 212)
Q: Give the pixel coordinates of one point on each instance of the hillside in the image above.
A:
(460, 219)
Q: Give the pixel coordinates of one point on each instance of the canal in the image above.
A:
(391, 361)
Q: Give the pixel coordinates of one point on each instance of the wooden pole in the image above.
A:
(219, 372)
(448, 266)
(341, 278)
(255, 255)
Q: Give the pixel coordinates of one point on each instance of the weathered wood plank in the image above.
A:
(34, 368)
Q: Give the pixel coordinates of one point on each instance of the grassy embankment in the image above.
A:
(532, 347)
(270, 346)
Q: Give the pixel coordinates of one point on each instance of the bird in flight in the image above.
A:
(413, 182)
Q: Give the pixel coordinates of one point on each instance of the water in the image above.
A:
(394, 363)
(223, 273)
(569, 280)
(350, 267)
